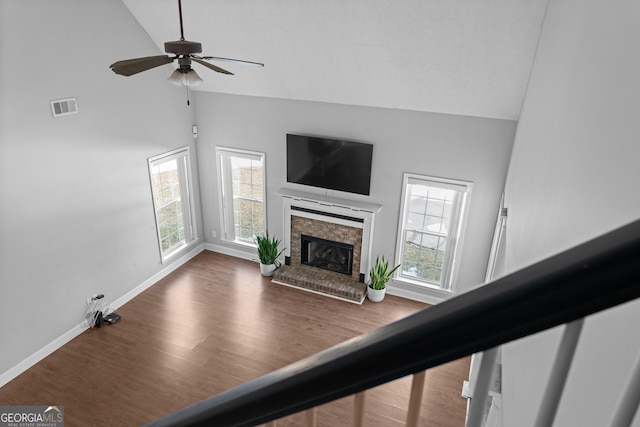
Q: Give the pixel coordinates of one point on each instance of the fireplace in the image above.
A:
(326, 254)
(325, 235)
(327, 244)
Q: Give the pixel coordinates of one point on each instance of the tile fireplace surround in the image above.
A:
(340, 220)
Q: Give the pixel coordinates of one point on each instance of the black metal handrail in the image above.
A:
(591, 277)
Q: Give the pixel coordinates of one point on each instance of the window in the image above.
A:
(429, 230)
(241, 175)
(170, 184)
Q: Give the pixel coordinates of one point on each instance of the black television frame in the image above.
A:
(329, 163)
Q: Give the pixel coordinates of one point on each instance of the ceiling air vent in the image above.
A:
(64, 107)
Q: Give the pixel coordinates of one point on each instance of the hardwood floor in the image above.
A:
(211, 325)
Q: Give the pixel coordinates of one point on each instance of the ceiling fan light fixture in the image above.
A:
(188, 78)
(176, 77)
(192, 78)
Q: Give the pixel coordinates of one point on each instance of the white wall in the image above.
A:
(574, 175)
(76, 215)
(466, 148)
(75, 208)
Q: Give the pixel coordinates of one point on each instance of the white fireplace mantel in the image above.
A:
(341, 205)
(334, 210)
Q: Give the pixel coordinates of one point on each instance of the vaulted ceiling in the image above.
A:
(466, 57)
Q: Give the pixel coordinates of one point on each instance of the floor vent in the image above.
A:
(64, 107)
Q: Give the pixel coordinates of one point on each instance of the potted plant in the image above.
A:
(379, 275)
(268, 253)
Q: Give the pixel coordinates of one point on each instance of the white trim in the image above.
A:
(445, 183)
(27, 363)
(182, 156)
(58, 342)
(333, 220)
(170, 268)
(427, 294)
(238, 253)
(169, 155)
(238, 152)
(223, 156)
(455, 236)
(318, 199)
(501, 224)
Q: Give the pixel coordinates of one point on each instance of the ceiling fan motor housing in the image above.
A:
(185, 63)
(183, 47)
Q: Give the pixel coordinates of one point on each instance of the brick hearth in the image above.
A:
(321, 281)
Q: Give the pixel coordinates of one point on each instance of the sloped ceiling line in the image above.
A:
(467, 57)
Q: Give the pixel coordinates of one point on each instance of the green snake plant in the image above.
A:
(268, 249)
(380, 274)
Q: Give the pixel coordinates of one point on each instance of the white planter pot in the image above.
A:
(267, 269)
(375, 295)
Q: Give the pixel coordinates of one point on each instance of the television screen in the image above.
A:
(329, 163)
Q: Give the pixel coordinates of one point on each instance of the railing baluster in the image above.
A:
(310, 417)
(559, 372)
(628, 404)
(415, 400)
(358, 409)
(480, 387)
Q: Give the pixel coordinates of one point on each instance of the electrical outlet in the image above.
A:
(214, 234)
(93, 298)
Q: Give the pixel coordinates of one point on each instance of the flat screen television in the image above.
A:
(329, 163)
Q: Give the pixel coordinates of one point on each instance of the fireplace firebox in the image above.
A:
(326, 254)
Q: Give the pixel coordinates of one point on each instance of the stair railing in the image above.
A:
(565, 288)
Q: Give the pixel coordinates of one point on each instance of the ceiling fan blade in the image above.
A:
(238, 61)
(129, 67)
(211, 66)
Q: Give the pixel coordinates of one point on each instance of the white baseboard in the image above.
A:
(168, 269)
(238, 253)
(423, 294)
(398, 289)
(12, 373)
(36, 357)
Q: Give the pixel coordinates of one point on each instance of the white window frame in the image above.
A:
(454, 234)
(183, 157)
(226, 195)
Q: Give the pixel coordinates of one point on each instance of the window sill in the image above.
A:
(177, 251)
(239, 243)
(423, 292)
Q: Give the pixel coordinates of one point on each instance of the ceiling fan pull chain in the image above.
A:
(187, 87)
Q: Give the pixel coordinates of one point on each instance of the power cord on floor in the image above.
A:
(98, 313)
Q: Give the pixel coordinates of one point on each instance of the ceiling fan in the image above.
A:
(185, 52)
